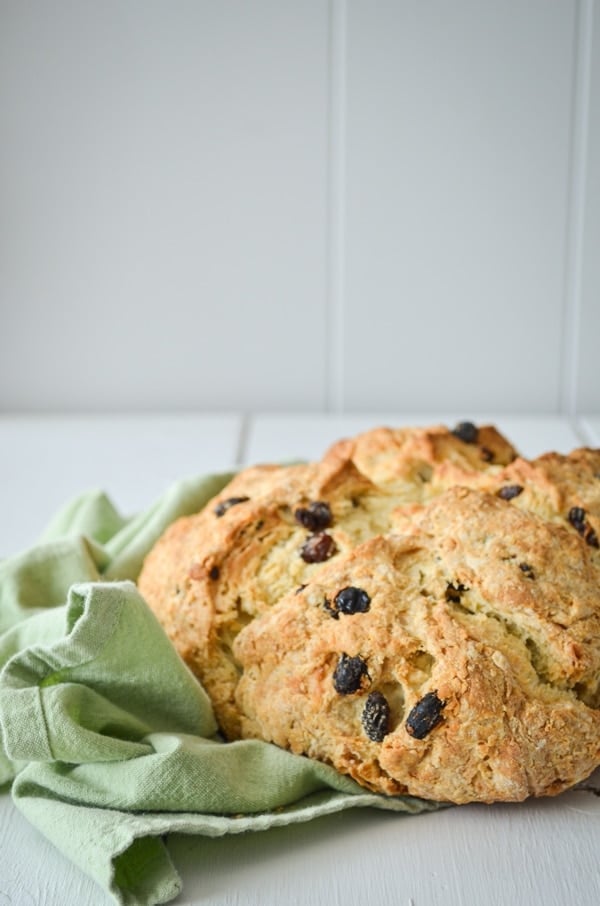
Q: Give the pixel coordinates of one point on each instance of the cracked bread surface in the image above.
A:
(481, 627)
(398, 458)
(214, 572)
(210, 574)
(513, 659)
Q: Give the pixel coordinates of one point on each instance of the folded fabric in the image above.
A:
(108, 740)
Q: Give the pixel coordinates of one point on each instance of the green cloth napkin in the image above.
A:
(106, 739)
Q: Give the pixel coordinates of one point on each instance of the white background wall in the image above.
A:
(300, 205)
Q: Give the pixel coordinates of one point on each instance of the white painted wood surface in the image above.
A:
(47, 460)
(590, 425)
(164, 203)
(332, 205)
(442, 204)
(503, 855)
(304, 436)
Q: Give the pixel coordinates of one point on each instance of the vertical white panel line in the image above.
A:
(576, 207)
(336, 207)
(241, 449)
(584, 433)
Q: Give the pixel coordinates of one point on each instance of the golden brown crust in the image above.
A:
(513, 655)
(211, 574)
(401, 458)
(487, 597)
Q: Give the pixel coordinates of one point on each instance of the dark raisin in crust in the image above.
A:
(352, 600)
(592, 538)
(454, 592)
(527, 570)
(376, 717)
(510, 491)
(315, 517)
(577, 519)
(222, 507)
(467, 432)
(425, 715)
(349, 674)
(318, 548)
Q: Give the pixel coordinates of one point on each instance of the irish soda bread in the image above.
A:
(420, 609)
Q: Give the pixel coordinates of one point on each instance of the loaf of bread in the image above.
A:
(420, 609)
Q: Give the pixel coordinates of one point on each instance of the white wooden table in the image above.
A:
(542, 851)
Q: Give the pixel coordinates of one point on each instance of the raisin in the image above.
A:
(352, 600)
(425, 715)
(214, 573)
(510, 491)
(527, 570)
(315, 517)
(376, 717)
(453, 592)
(577, 519)
(348, 674)
(318, 548)
(222, 507)
(466, 431)
(592, 538)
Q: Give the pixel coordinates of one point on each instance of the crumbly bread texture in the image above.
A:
(420, 609)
